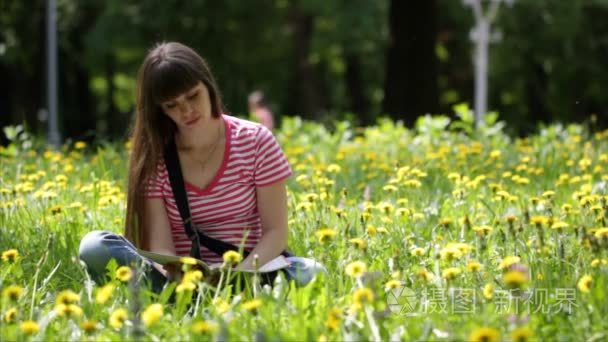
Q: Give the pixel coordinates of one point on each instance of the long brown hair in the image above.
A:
(168, 70)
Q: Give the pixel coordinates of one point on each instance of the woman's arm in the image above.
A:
(158, 231)
(272, 207)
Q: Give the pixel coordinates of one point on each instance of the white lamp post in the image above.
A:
(53, 136)
(482, 36)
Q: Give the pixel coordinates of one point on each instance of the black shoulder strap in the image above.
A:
(179, 192)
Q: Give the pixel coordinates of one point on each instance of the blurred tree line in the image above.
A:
(322, 60)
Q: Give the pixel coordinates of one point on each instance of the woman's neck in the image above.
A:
(201, 138)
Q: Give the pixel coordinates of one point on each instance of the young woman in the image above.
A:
(234, 171)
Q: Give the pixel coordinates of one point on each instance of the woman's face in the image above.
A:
(190, 109)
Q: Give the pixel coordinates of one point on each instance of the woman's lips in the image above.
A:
(193, 121)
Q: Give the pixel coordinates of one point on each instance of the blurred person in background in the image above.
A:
(259, 109)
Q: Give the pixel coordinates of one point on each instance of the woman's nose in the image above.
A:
(185, 108)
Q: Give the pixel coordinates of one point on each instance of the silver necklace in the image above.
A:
(204, 162)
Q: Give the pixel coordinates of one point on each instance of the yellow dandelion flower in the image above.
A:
(193, 276)
(204, 327)
(601, 233)
(10, 315)
(522, 334)
(548, 194)
(362, 296)
(392, 284)
(484, 334)
(221, 306)
(453, 176)
(359, 243)
(152, 314)
(559, 225)
(371, 230)
(584, 284)
(598, 262)
(75, 205)
(188, 261)
(508, 261)
(446, 221)
(418, 251)
(482, 230)
(464, 248)
(29, 327)
(68, 310)
(325, 234)
(232, 257)
(79, 145)
(334, 168)
(596, 208)
(10, 255)
(451, 273)
(389, 188)
(414, 183)
(488, 290)
(104, 293)
(385, 207)
(382, 230)
(534, 200)
(495, 154)
(425, 275)
(252, 305)
(55, 210)
(450, 253)
(118, 318)
(67, 297)
(356, 268)
(473, 266)
(538, 220)
(124, 273)
(89, 326)
(515, 279)
(185, 286)
(334, 317)
(12, 292)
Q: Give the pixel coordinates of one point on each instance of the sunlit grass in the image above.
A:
(493, 237)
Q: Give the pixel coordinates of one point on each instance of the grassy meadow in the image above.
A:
(442, 232)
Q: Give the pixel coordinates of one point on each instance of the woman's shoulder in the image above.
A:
(242, 129)
(160, 170)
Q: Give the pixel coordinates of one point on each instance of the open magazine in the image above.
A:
(277, 263)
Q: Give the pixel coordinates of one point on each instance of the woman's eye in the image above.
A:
(193, 96)
(170, 106)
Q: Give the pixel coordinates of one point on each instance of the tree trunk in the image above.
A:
(359, 103)
(77, 107)
(303, 94)
(410, 87)
(111, 120)
(6, 101)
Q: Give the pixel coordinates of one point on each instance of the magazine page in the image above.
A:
(277, 263)
(164, 259)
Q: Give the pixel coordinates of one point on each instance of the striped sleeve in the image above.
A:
(154, 185)
(271, 166)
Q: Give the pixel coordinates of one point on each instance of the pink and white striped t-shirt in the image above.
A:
(227, 208)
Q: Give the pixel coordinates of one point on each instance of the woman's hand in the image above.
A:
(171, 271)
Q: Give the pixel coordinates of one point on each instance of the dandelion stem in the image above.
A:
(370, 318)
(38, 267)
(219, 284)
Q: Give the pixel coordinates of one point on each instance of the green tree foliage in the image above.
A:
(551, 63)
(322, 60)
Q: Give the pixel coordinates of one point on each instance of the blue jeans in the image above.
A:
(98, 247)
